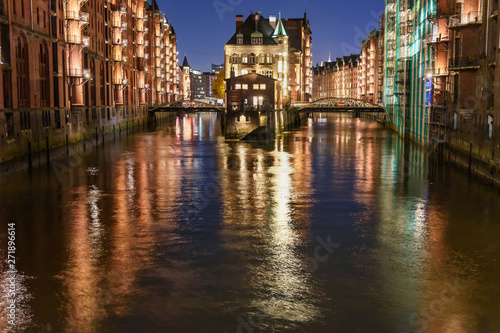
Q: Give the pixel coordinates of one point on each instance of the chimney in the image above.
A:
(257, 17)
(272, 21)
(239, 22)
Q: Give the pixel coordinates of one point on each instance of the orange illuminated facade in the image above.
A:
(68, 65)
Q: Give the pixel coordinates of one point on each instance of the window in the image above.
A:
(261, 58)
(239, 40)
(455, 121)
(25, 120)
(237, 86)
(235, 58)
(262, 87)
(44, 75)
(490, 126)
(57, 117)
(244, 58)
(245, 87)
(252, 59)
(269, 73)
(255, 87)
(23, 88)
(102, 84)
(46, 118)
(257, 40)
(244, 71)
(269, 58)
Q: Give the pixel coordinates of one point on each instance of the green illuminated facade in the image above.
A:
(408, 58)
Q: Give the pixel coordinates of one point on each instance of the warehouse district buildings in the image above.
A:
(70, 66)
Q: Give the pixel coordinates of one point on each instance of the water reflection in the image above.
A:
(176, 230)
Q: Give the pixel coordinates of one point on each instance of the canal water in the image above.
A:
(339, 226)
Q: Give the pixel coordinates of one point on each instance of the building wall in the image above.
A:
(337, 79)
(69, 67)
(453, 78)
(294, 53)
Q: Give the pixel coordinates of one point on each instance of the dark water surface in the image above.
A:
(337, 227)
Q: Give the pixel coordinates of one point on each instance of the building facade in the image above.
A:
(263, 46)
(253, 92)
(371, 67)
(70, 66)
(358, 76)
(442, 75)
(339, 78)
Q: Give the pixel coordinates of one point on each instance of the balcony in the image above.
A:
(78, 40)
(79, 73)
(117, 56)
(437, 39)
(465, 20)
(464, 63)
(437, 72)
(77, 15)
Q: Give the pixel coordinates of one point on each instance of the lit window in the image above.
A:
(256, 40)
(262, 87)
(237, 86)
(255, 87)
(235, 58)
(244, 59)
(245, 87)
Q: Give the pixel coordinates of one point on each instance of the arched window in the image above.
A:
(269, 58)
(252, 59)
(22, 65)
(44, 75)
(103, 85)
(64, 71)
(92, 83)
(235, 58)
(244, 71)
(262, 58)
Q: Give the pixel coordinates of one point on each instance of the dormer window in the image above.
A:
(257, 40)
(239, 40)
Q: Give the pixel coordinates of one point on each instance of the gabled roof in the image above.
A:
(185, 63)
(248, 28)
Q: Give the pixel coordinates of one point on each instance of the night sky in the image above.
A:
(202, 30)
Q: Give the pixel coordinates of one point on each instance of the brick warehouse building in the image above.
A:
(68, 67)
(339, 78)
(442, 78)
(355, 76)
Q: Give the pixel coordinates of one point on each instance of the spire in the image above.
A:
(329, 56)
(185, 63)
(280, 29)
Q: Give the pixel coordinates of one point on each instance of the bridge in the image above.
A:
(187, 106)
(339, 105)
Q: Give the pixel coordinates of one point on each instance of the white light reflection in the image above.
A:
(286, 297)
(96, 229)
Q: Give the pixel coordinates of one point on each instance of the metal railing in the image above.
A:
(473, 17)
